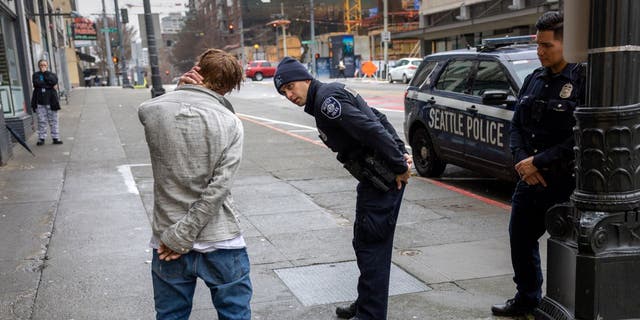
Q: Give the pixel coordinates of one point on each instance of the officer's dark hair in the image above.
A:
(551, 21)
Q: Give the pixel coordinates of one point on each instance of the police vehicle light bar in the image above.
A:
(493, 43)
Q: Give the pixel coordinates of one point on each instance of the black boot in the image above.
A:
(57, 141)
(40, 142)
(511, 308)
(346, 312)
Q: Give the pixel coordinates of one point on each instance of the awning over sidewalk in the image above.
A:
(86, 57)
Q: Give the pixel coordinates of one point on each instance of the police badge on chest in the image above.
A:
(566, 91)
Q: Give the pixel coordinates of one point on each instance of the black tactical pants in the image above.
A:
(527, 225)
(376, 216)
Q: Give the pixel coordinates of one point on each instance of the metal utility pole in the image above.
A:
(593, 254)
(284, 30)
(312, 44)
(156, 81)
(385, 44)
(243, 59)
(123, 63)
(107, 40)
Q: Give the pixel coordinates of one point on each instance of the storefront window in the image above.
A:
(11, 94)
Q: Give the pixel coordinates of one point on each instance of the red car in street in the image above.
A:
(259, 69)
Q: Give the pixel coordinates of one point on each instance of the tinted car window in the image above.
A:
(421, 76)
(254, 64)
(490, 76)
(266, 64)
(454, 77)
(415, 62)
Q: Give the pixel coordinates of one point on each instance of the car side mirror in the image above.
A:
(497, 97)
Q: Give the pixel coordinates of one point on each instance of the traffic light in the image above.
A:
(317, 56)
(166, 72)
(124, 15)
(115, 59)
(231, 28)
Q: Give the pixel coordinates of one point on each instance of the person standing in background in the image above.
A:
(45, 103)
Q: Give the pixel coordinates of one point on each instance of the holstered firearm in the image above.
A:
(372, 170)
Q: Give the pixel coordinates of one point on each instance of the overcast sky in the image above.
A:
(91, 8)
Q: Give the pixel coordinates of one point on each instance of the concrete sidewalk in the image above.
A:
(74, 228)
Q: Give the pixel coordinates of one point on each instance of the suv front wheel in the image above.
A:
(427, 163)
(258, 76)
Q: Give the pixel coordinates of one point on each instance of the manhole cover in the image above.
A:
(336, 282)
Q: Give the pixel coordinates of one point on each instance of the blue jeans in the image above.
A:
(225, 272)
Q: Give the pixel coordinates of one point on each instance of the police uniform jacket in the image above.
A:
(543, 121)
(347, 124)
(44, 92)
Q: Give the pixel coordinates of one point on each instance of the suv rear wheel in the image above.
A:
(405, 80)
(258, 76)
(427, 163)
(389, 78)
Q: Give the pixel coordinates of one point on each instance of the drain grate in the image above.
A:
(336, 282)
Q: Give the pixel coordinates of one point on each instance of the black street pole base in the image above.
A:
(157, 92)
(549, 309)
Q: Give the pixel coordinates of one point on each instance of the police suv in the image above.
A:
(459, 106)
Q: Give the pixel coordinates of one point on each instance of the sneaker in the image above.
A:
(56, 141)
(511, 308)
(40, 142)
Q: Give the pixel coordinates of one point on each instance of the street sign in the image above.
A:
(386, 36)
(112, 30)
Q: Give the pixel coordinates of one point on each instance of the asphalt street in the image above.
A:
(75, 232)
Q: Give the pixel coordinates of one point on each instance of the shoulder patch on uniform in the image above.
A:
(353, 92)
(331, 108)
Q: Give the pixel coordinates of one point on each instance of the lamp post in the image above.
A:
(255, 54)
(385, 44)
(156, 81)
(123, 66)
(107, 40)
(243, 59)
(313, 39)
(284, 30)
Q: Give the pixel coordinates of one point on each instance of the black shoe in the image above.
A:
(40, 142)
(57, 141)
(511, 308)
(346, 312)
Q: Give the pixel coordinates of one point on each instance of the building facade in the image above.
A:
(453, 24)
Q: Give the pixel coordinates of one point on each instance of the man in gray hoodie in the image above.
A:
(195, 142)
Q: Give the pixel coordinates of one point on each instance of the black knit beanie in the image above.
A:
(290, 70)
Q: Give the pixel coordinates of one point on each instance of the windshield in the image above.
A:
(524, 67)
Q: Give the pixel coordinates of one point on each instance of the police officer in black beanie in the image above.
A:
(370, 149)
(541, 141)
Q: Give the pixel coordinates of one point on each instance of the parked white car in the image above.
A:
(404, 70)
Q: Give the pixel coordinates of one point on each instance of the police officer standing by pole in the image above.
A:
(542, 146)
(372, 152)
